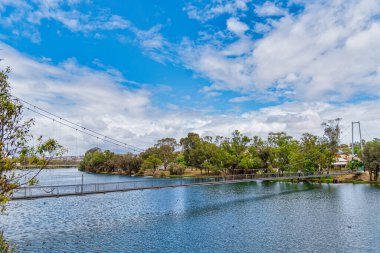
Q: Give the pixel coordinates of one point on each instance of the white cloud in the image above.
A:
(225, 72)
(25, 17)
(262, 28)
(216, 8)
(269, 9)
(329, 49)
(98, 100)
(329, 52)
(236, 26)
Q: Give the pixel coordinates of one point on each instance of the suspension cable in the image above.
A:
(79, 126)
(105, 138)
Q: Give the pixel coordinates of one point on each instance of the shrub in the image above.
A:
(176, 169)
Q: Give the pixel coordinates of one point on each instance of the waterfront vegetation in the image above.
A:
(238, 154)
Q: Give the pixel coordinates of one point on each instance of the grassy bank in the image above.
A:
(358, 178)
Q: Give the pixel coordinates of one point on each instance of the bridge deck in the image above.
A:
(35, 192)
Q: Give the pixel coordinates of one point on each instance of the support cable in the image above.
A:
(112, 140)
(84, 132)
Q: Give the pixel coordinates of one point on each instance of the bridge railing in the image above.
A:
(78, 189)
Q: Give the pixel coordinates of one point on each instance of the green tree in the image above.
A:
(190, 144)
(263, 151)
(14, 139)
(152, 163)
(332, 133)
(129, 163)
(95, 160)
(148, 152)
(310, 152)
(283, 147)
(166, 154)
(372, 158)
(164, 149)
(167, 142)
(236, 147)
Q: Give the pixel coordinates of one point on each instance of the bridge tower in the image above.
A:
(361, 141)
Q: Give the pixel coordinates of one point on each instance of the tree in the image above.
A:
(192, 150)
(310, 152)
(282, 146)
(167, 155)
(148, 152)
(129, 163)
(372, 158)
(14, 139)
(263, 151)
(151, 163)
(95, 160)
(332, 133)
(236, 147)
(167, 142)
(164, 150)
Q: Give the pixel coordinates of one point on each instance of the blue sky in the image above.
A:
(163, 68)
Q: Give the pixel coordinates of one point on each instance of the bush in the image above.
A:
(5, 247)
(176, 169)
(162, 175)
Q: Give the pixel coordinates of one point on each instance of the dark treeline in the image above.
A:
(237, 154)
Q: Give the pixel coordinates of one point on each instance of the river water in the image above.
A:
(244, 217)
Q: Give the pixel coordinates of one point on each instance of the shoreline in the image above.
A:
(359, 178)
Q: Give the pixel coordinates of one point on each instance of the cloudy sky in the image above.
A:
(140, 70)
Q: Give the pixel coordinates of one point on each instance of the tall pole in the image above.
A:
(360, 140)
(352, 146)
(361, 145)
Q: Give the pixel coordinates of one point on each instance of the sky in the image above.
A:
(142, 70)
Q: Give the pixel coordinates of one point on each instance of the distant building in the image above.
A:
(342, 160)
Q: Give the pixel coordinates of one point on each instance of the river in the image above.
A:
(244, 217)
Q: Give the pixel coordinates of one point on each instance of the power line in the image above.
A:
(76, 127)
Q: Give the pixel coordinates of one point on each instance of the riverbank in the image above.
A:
(358, 178)
(189, 173)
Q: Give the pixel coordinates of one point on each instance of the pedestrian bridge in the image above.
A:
(42, 191)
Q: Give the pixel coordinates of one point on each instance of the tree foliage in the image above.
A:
(332, 133)
(372, 158)
(15, 137)
(152, 163)
(95, 160)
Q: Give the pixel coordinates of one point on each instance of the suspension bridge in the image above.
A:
(55, 191)
(48, 191)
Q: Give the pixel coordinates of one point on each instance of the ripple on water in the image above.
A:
(247, 217)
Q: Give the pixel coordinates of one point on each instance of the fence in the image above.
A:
(33, 192)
